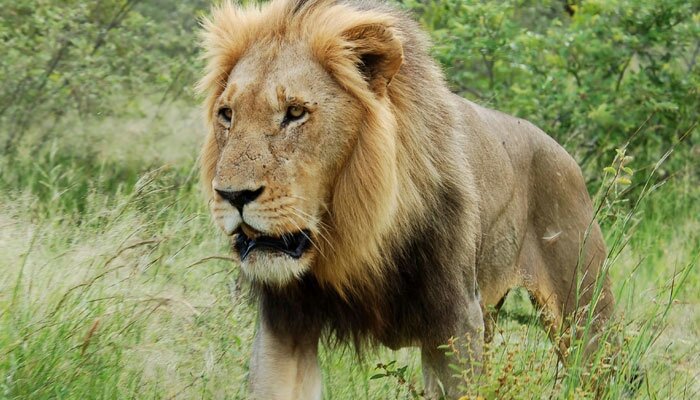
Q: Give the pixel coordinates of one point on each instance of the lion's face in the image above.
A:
(300, 164)
(283, 127)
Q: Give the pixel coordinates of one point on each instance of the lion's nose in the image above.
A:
(240, 198)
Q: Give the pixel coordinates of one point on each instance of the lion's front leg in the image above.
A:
(284, 368)
(439, 378)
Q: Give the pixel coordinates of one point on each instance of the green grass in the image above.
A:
(114, 284)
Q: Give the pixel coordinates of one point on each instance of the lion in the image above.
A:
(368, 204)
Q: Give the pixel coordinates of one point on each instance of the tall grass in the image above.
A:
(114, 284)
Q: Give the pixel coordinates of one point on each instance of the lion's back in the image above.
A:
(510, 154)
(519, 172)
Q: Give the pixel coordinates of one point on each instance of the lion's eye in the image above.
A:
(225, 114)
(294, 113)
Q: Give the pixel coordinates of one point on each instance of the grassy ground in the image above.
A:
(114, 284)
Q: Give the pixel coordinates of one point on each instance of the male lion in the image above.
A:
(366, 201)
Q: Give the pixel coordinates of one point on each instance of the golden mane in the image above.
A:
(387, 178)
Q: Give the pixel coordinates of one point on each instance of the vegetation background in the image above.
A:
(114, 284)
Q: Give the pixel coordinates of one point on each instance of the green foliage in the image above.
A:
(391, 371)
(591, 80)
(91, 58)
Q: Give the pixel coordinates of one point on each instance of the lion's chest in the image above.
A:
(418, 298)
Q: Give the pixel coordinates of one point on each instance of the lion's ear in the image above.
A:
(379, 53)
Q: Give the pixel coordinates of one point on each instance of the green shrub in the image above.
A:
(93, 58)
(591, 80)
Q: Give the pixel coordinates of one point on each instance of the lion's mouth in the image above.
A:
(291, 244)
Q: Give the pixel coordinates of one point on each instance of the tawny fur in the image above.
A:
(397, 178)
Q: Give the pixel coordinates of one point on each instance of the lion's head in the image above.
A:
(300, 161)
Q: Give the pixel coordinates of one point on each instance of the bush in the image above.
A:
(92, 58)
(591, 77)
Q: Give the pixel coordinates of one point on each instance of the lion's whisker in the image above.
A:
(323, 204)
(301, 214)
(306, 236)
(321, 225)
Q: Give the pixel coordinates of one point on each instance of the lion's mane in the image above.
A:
(399, 198)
